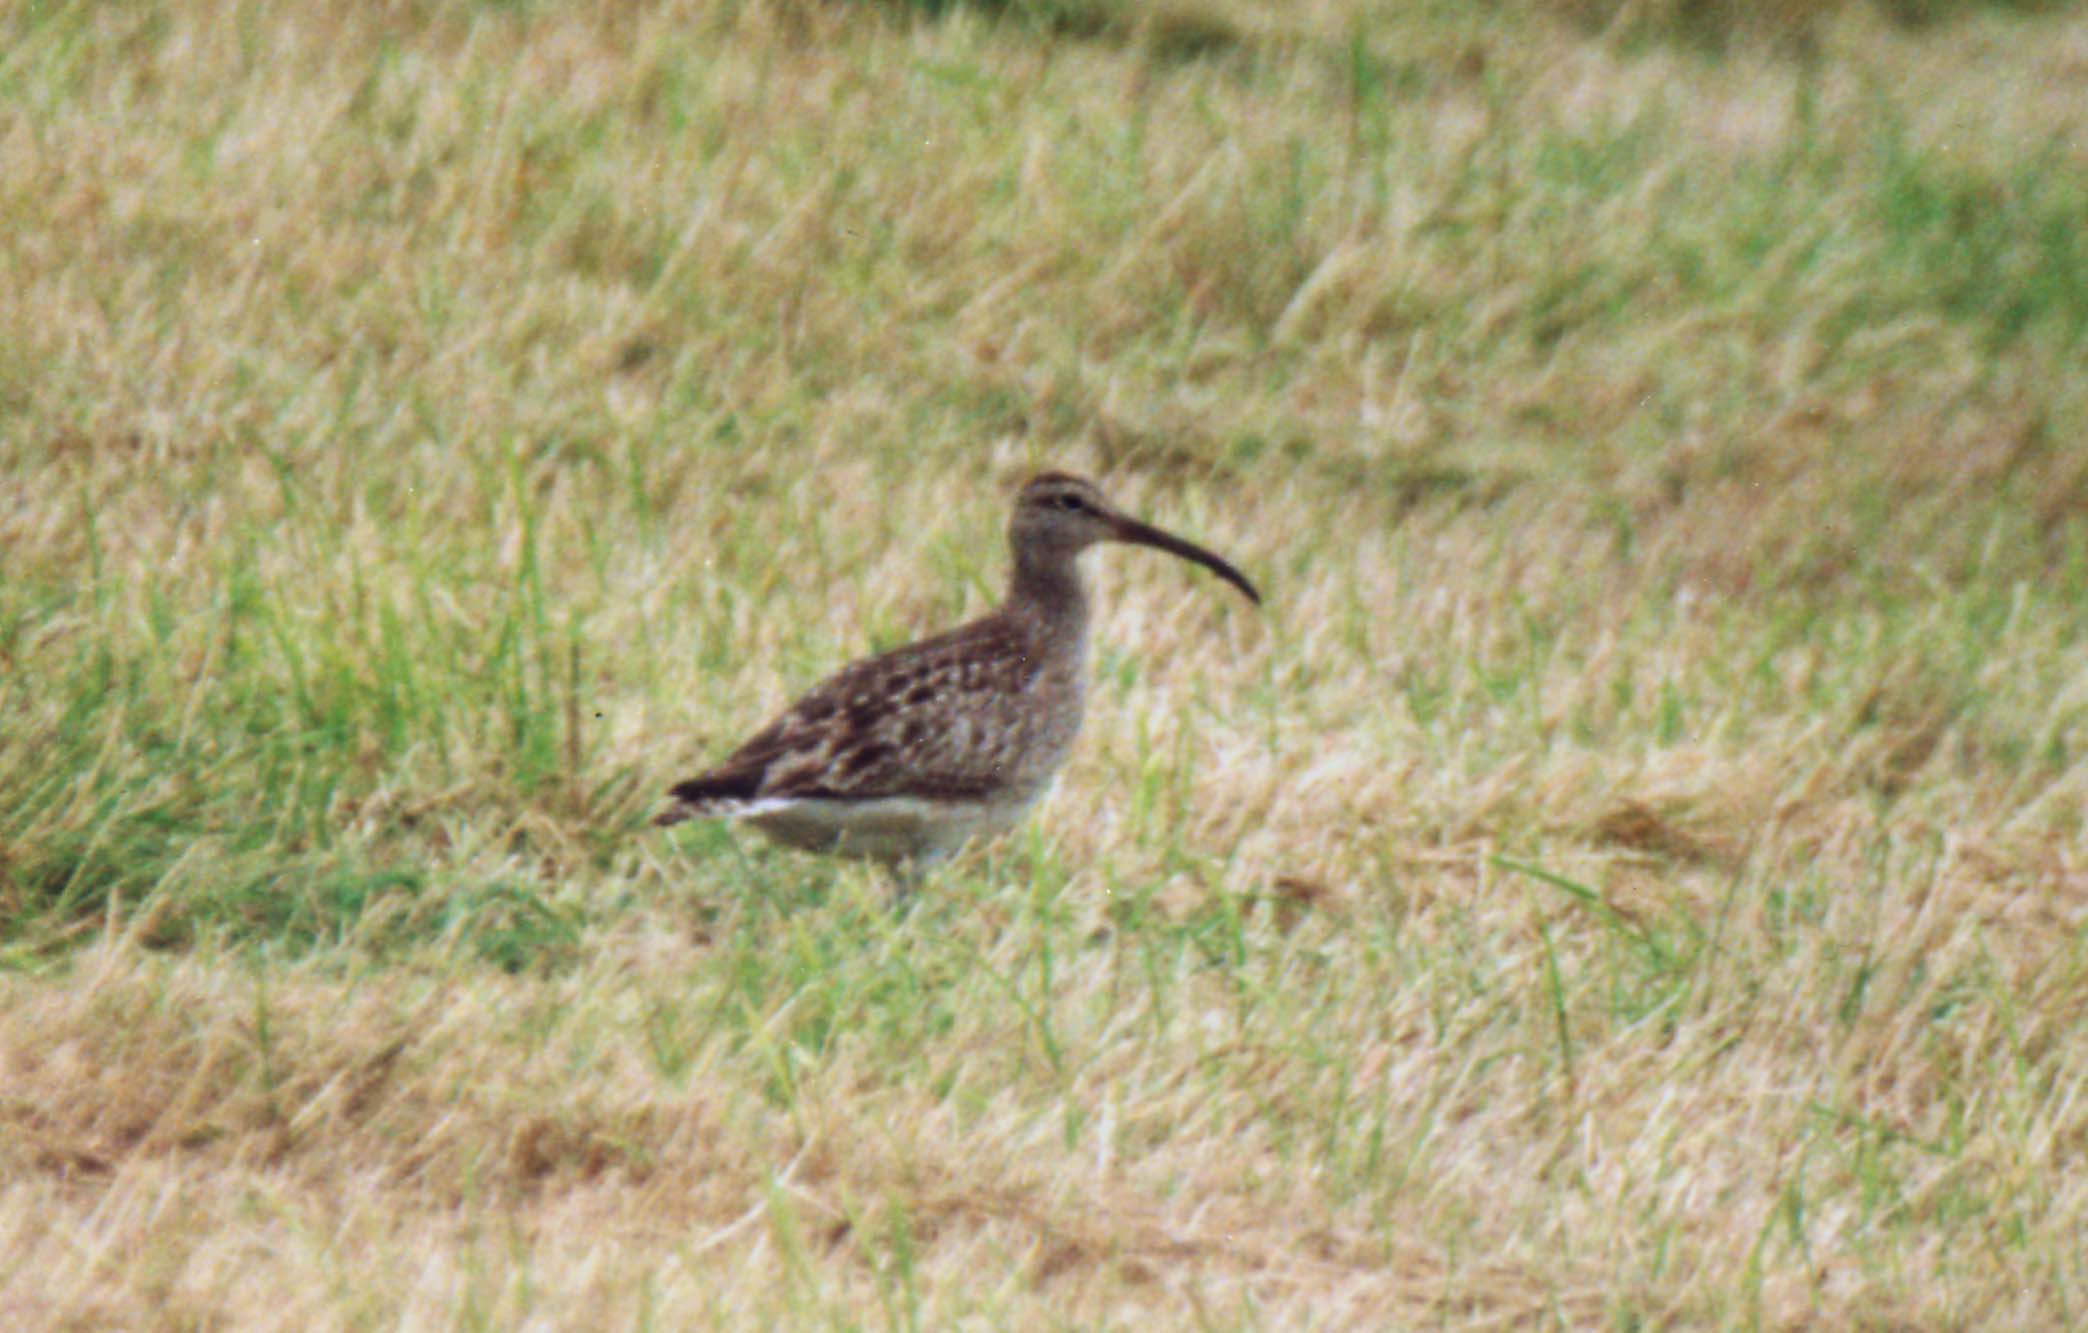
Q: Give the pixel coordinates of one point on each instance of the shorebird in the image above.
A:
(903, 757)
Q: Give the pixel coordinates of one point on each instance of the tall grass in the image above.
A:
(1628, 873)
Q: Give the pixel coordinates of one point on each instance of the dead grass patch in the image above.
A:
(1626, 875)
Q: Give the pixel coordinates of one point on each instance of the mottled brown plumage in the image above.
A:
(904, 756)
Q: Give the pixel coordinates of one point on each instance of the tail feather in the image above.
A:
(716, 786)
(710, 795)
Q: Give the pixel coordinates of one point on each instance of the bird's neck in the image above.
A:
(1048, 590)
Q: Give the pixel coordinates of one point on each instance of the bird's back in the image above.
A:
(984, 713)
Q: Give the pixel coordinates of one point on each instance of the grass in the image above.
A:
(1628, 874)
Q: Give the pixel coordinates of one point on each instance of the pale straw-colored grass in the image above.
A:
(1629, 873)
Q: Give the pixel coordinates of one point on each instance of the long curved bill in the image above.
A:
(1145, 534)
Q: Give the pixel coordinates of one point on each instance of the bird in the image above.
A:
(902, 758)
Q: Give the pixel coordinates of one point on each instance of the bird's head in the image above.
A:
(1059, 514)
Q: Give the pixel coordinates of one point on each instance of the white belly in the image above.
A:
(890, 829)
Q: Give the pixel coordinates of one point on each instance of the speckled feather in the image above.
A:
(984, 712)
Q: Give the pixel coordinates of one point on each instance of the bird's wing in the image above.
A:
(932, 719)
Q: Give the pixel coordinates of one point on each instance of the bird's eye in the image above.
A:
(1067, 502)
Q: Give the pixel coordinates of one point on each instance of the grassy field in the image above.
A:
(1631, 873)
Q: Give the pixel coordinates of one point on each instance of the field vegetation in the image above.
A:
(1631, 873)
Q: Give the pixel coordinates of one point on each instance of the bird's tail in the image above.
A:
(711, 796)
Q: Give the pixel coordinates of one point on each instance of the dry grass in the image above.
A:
(1632, 873)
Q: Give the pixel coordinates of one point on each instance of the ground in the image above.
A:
(1629, 873)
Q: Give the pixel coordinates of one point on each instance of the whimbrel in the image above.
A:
(903, 757)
